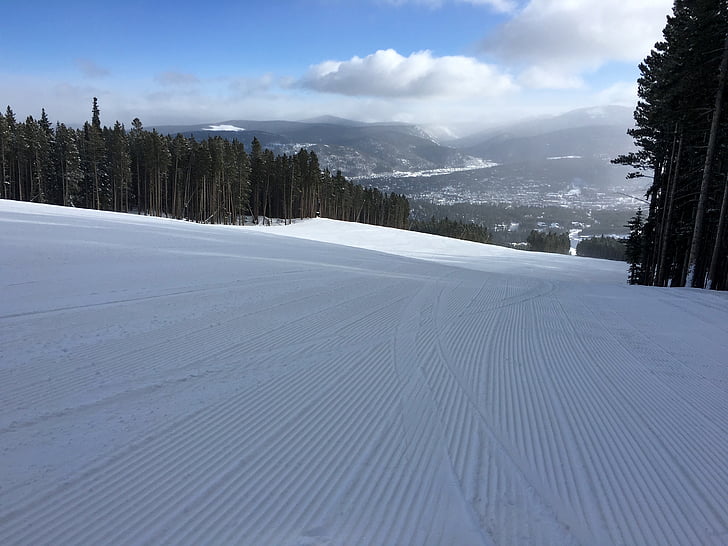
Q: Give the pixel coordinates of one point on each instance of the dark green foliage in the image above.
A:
(119, 166)
(68, 166)
(681, 131)
(608, 248)
(558, 243)
(452, 228)
(214, 180)
(35, 161)
(95, 188)
(634, 249)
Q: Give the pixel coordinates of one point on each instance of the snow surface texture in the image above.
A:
(164, 382)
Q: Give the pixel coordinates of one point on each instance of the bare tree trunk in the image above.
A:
(697, 281)
(671, 183)
(719, 244)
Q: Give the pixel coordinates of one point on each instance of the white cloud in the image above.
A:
(503, 6)
(537, 77)
(622, 93)
(564, 38)
(386, 73)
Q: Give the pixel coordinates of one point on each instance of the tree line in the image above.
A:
(606, 248)
(681, 134)
(557, 243)
(456, 229)
(213, 180)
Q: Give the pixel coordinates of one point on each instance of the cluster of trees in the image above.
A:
(214, 180)
(681, 132)
(452, 228)
(558, 243)
(634, 249)
(608, 248)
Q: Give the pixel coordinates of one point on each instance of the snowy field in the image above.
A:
(163, 382)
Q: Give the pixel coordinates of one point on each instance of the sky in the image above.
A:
(447, 64)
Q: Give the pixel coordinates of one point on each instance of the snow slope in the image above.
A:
(163, 382)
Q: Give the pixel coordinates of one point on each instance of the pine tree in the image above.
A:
(36, 164)
(68, 164)
(257, 178)
(11, 163)
(634, 249)
(695, 271)
(119, 162)
(94, 156)
(138, 173)
(51, 186)
(4, 156)
(681, 134)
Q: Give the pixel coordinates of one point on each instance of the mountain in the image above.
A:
(603, 116)
(358, 149)
(334, 120)
(560, 160)
(588, 132)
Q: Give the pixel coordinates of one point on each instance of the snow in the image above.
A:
(473, 164)
(223, 127)
(336, 383)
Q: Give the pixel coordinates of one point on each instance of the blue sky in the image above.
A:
(451, 64)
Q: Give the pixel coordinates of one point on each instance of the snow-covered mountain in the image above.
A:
(589, 133)
(335, 383)
(617, 117)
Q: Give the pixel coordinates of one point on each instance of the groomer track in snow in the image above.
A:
(163, 382)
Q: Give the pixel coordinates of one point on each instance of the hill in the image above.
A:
(326, 382)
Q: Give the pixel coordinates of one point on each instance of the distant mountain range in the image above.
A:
(588, 132)
(561, 153)
(357, 149)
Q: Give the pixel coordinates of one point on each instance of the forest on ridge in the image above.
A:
(212, 180)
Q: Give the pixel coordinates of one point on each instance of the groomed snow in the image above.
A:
(164, 382)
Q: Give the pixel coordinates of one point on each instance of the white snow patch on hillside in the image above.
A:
(223, 127)
(168, 382)
(473, 164)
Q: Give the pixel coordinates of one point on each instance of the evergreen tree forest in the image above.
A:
(468, 231)
(681, 134)
(210, 181)
(557, 243)
(606, 248)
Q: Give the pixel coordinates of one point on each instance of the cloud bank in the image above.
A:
(386, 73)
(554, 41)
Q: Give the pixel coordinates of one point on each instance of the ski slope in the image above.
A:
(163, 382)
